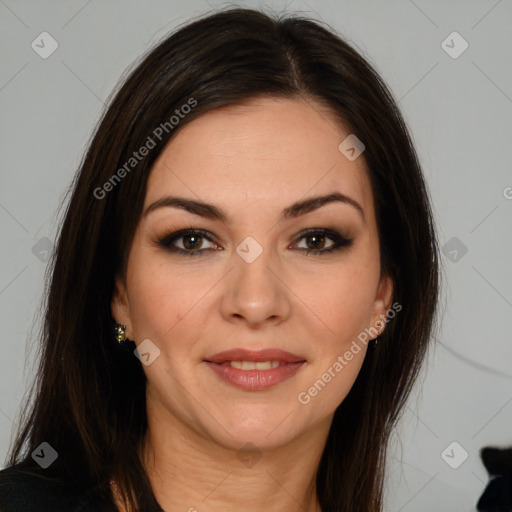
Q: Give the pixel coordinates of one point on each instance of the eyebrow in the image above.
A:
(211, 211)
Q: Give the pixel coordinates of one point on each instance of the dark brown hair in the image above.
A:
(88, 395)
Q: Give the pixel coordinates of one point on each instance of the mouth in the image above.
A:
(255, 370)
(273, 356)
(253, 365)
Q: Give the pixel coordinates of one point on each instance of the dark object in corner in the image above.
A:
(497, 496)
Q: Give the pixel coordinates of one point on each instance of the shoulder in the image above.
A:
(23, 491)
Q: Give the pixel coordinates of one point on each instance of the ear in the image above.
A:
(382, 303)
(119, 305)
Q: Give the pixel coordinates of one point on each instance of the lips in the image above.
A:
(255, 370)
(241, 354)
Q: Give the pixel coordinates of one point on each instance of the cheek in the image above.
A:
(339, 301)
(166, 300)
(155, 300)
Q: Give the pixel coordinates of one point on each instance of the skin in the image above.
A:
(252, 161)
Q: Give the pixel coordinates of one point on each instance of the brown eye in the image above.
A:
(192, 242)
(316, 241)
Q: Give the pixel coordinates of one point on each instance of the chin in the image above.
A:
(265, 429)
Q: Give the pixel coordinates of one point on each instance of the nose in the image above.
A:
(255, 292)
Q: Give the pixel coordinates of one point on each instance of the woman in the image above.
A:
(244, 286)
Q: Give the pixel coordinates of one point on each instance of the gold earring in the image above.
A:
(120, 334)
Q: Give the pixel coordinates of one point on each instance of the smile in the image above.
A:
(255, 370)
(252, 365)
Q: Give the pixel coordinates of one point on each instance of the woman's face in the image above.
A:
(251, 285)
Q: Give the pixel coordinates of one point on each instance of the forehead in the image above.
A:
(265, 152)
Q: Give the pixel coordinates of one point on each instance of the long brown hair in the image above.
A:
(88, 395)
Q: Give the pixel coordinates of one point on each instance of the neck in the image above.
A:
(189, 472)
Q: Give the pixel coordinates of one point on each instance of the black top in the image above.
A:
(20, 492)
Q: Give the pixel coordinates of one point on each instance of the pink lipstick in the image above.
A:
(255, 370)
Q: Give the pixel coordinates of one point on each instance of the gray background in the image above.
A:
(459, 111)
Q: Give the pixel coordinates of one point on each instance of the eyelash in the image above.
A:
(340, 241)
